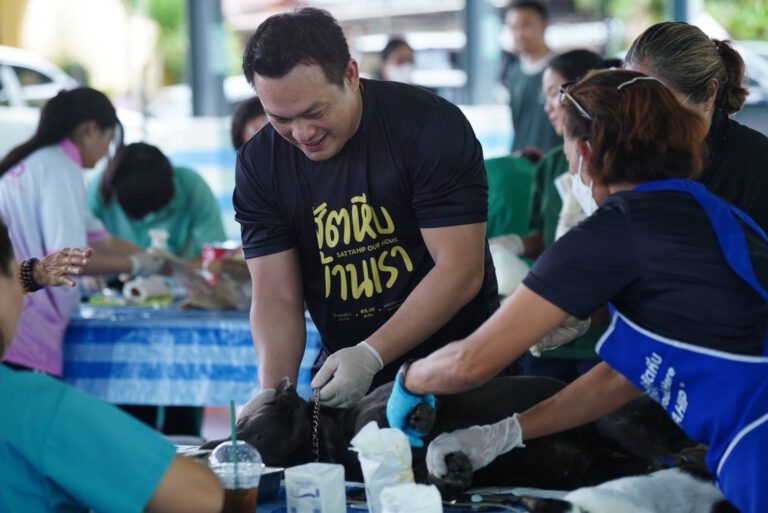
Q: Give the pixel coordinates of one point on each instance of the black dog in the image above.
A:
(631, 441)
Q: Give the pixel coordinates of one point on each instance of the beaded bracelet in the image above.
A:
(27, 277)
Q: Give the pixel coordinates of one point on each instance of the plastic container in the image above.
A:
(241, 482)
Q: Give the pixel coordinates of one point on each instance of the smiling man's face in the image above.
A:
(310, 112)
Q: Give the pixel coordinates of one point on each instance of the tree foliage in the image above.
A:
(173, 42)
(745, 19)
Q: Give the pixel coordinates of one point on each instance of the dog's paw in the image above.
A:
(459, 475)
(422, 418)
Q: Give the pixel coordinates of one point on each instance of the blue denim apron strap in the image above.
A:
(723, 217)
(730, 413)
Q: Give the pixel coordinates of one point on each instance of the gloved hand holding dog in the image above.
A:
(570, 329)
(481, 444)
(401, 404)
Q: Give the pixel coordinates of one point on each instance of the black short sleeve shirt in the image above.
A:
(737, 166)
(355, 218)
(655, 256)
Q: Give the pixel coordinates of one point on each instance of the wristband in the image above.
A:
(27, 277)
(401, 378)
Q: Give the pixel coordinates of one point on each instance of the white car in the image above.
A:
(26, 82)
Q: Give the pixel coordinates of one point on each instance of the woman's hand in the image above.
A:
(55, 269)
(401, 404)
(481, 444)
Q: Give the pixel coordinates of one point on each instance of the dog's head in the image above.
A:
(280, 430)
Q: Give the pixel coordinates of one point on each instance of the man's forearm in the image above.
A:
(595, 394)
(434, 301)
(279, 334)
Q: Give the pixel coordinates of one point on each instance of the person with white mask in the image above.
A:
(397, 61)
(685, 273)
(553, 212)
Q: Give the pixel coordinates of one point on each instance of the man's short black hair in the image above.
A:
(140, 178)
(304, 36)
(534, 5)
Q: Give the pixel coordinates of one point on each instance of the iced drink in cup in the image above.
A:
(241, 486)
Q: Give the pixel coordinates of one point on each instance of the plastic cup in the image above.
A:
(213, 251)
(243, 496)
(241, 490)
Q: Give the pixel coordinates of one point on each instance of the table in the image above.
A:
(278, 505)
(166, 356)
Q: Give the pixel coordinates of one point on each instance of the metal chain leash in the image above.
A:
(316, 424)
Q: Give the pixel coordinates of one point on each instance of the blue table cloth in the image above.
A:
(166, 356)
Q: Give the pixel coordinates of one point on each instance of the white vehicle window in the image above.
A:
(9, 87)
(30, 77)
(35, 87)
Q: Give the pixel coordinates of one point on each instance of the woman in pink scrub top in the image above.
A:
(42, 201)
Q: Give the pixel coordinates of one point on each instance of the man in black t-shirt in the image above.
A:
(368, 201)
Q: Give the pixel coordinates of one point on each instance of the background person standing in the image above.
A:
(528, 21)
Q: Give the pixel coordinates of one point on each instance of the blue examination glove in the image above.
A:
(400, 405)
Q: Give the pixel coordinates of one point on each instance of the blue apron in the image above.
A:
(717, 398)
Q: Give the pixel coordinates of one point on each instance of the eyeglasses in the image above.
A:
(565, 94)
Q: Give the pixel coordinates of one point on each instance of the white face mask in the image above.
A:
(583, 192)
(400, 73)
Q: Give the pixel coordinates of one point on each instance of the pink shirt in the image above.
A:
(42, 201)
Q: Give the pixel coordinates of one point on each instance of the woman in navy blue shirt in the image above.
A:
(685, 274)
(707, 76)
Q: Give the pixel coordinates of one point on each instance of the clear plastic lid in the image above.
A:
(249, 464)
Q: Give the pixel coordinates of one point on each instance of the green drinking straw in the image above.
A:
(234, 438)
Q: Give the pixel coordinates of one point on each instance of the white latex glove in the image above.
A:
(346, 375)
(570, 329)
(482, 444)
(146, 264)
(257, 401)
(511, 242)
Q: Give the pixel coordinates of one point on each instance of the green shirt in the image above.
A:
(509, 195)
(64, 451)
(192, 217)
(526, 101)
(547, 203)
